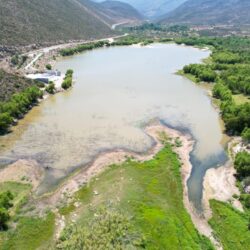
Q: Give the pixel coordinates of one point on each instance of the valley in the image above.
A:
(127, 127)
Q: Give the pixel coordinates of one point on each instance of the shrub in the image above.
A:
(242, 164)
(246, 135)
(50, 88)
(48, 67)
(107, 230)
(5, 204)
(67, 82)
(5, 122)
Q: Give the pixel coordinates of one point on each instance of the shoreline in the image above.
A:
(217, 184)
(100, 163)
(64, 192)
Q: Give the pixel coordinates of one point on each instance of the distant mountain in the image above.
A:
(114, 12)
(211, 12)
(153, 8)
(25, 22)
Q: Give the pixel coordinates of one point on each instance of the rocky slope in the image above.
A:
(25, 22)
(209, 12)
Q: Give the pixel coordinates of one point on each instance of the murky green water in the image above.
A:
(117, 91)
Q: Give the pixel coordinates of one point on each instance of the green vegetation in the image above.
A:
(246, 135)
(20, 193)
(229, 68)
(130, 40)
(83, 47)
(50, 88)
(30, 233)
(5, 204)
(68, 79)
(107, 230)
(230, 64)
(48, 67)
(23, 232)
(242, 164)
(124, 41)
(149, 194)
(18, 61)
(201, 72)
(11, 84)
(17, 106)
(230, 226)
(241, 99)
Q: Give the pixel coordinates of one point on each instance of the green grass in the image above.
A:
(20, 192)
(151, 194)
(188, 76)
(30, 233)
(241, 99)
(230, 226)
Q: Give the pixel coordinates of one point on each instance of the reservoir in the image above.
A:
(117, 92)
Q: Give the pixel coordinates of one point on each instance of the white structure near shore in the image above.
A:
(54, 76)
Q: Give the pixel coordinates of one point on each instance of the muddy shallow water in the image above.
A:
(117, 91)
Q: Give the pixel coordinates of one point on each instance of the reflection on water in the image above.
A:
(118, 90)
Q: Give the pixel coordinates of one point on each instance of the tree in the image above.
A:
(246, 135)
(5, 121)
(51, 88)
(242, 164)
(5, 205)
(4, 218)
(48, 67)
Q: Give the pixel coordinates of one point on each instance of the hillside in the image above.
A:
(48, 21)
(11, 84)
(114, 12)
(211, 12)
(153, 9)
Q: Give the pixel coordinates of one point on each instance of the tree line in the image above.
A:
(83, 47)
(17, 106)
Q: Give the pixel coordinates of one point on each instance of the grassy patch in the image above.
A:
(20, 192)
(241, 99)
(188, 76)
(30, 233)
(151, 194)
(230, 226)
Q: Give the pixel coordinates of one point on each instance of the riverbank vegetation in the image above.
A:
(230, 64)
(83, 47)
(17, 106)
(123, 41)
(68, 79)
(50, 88)
(5, 204)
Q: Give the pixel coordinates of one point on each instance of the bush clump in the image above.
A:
(5, 205)
(68, 79)
(50, 88)
(242, 164)
(108, 229)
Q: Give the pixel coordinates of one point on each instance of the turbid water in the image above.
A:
(117, 91)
